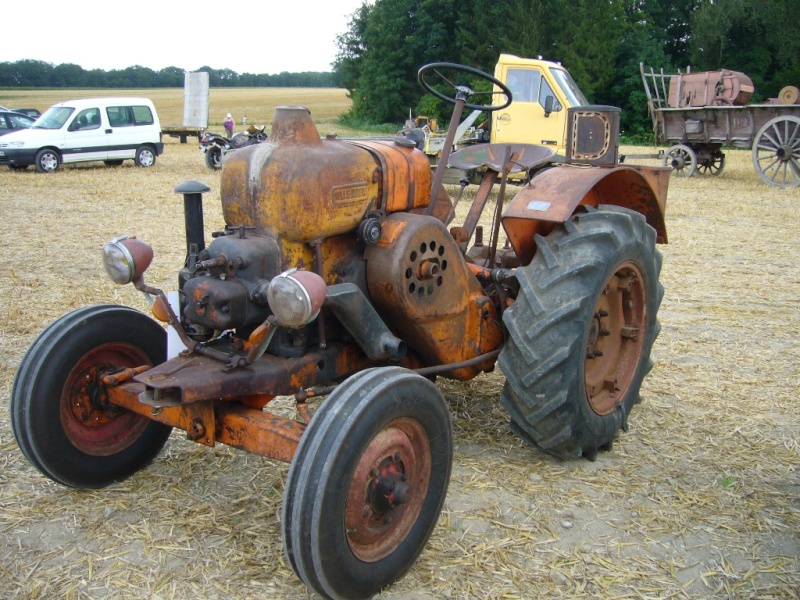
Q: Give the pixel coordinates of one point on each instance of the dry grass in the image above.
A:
(699, 499)
(258, 104)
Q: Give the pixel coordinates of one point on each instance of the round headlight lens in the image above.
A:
(295, 297)
(126, 259)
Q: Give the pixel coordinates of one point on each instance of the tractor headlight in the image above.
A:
(295, 297)
(126, 259)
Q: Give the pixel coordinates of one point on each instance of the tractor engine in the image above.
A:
(353, 213)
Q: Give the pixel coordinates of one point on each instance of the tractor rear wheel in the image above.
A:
(60, 415)
(367, 483)
(581, 332)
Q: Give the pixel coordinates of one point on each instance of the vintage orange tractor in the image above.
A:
(336, 275)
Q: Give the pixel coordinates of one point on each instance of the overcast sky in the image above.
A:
(270, 36)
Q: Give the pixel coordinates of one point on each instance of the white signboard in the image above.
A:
(195, 100)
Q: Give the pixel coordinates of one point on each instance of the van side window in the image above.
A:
(524, 84)
(88, 118)
(119, 116)
(142, 115)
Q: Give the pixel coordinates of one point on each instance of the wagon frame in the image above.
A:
(697, 134)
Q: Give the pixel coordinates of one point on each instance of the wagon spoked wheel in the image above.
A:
(713, 165)
(776, 152)
(367, 483)
(574, 367)
(682, 159)
(60, 413)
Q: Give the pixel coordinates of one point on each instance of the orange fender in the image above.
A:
(553, 196)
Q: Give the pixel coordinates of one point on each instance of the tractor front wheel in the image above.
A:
(367, 483)
(581, 332)
(60, 413)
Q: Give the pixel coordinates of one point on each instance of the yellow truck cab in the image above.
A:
(542, 92)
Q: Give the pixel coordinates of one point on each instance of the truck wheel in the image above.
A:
(59, 413)
(581, 332)
(214, 158)
(367, 483)
(145, 156)
(47, 160)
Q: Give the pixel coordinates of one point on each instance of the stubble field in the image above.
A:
(699, 499)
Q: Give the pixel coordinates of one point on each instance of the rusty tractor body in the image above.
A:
(339, 274)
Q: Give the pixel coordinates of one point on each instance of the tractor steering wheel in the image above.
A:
(462, 92)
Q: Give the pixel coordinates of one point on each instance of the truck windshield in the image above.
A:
(569, 87)
(53, 118)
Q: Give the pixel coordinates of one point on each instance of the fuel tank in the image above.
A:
(300, 188)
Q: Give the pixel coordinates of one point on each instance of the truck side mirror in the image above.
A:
(548, 105)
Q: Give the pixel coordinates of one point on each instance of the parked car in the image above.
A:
(31, 112)
(107, 129)
(13, 121)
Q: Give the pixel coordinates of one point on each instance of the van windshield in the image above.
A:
(53, 118)
(569, 87)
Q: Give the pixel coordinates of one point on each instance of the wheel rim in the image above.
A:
(146, 158)
(615, 338)
(712, 166)
(681, 161)
(89, 422)
(49, 162)
(776, 153)
(388, 489)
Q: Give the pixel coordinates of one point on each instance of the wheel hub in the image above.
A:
(89, 422)
(387, 490)
(615, 338)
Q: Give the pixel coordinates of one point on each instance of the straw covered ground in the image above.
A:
(699, 499)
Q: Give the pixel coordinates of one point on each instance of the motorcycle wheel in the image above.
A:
(214, 158)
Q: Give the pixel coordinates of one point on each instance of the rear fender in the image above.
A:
(553, 196)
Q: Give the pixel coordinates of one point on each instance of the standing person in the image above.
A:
(244, 121)
(228, 125)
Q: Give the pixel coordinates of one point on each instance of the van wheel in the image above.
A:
(145, 156)
(47, 160)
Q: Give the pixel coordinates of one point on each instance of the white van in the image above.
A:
(107, 129)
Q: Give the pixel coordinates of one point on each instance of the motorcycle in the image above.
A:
(215, 145)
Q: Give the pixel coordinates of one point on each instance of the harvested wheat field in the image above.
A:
(700, 498)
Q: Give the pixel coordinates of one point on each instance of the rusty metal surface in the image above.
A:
(524, 157)
(388, 489)
(553, 196)
(230, 423)
(615, 340)
(419, 281)
(405, 175)
(297, 186)
(257, 431)
(196, 378)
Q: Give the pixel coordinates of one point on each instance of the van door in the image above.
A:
(85, 137)
(130, 127)
(527, 119)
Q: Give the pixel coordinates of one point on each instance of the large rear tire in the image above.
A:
(581, 332)
(59, 414)
(367, 483)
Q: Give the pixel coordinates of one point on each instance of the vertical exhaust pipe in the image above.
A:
(193, 217)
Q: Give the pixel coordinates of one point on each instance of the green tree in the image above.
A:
(756, 37)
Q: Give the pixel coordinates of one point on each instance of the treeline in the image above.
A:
(36, 74)
(601, 42)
